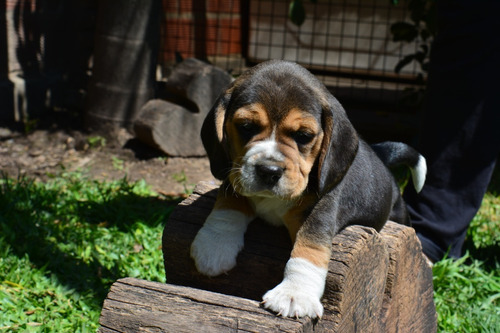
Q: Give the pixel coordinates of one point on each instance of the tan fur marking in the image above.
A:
(297, 119)
(257, 114)
(317, 254)
(294, 218)
(228, 199)
(254, 113)
(235, 144)
(300, 160)
(316, 149)
(325, 143)
(219, 122)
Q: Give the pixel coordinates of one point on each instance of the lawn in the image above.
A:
(64, 242)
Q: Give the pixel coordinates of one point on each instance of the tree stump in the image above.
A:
(123, 79)
(377, 282)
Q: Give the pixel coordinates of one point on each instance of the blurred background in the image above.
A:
(90, 56)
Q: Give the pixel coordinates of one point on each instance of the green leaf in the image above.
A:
(403, 31)
(425, 34)
(425, 66)
(297, 12)
(420, 57)
(403, 62)
(417, 10)
(425, 48)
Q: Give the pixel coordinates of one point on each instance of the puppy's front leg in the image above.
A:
(299, 294)
(219, 241)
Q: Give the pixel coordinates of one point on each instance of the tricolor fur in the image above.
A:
(286, 152)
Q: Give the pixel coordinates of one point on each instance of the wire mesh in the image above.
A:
(346, 43)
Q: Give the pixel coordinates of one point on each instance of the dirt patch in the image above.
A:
(51, 150)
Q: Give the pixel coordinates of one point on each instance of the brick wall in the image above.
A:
(200, 28)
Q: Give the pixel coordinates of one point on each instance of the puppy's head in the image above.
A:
(277, 131)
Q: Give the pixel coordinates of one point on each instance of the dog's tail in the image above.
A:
(397, 153)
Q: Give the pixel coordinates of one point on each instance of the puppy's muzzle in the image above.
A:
(269, 174)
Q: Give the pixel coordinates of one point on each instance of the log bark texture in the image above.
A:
(135, 305)
(377, 282)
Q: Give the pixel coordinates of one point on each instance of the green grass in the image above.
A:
(64, 242)
(467, 291)
(467, 296)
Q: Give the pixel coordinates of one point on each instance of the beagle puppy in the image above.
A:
(287, 153)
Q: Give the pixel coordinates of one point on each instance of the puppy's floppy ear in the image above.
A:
(339, 146)
(213, 138)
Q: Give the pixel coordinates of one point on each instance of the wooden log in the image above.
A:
(123, 75)
(135, 305)
(408, 301)
(377, 282)
(174, 126)
(260, 265)
(355, 282)
(166, 127)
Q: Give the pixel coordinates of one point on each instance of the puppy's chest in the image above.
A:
(272, 210)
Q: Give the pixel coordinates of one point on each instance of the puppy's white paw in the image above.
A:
(299, 294)
(219, 241)
(287, 299)
(215, 253)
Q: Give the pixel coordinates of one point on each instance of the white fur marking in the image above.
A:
(219, 241)
(271, 209)
(263, 151)
(418, 174)
(299, 294)
(267, 149)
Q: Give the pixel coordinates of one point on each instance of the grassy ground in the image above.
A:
(64, 242)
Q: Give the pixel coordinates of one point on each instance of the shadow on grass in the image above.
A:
(489, 255)
(494, 186)
(126, 209)
(49, 226)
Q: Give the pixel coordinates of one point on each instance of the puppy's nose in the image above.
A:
(269, 174)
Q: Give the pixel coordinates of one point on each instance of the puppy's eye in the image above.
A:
(247, 129)
(302, 137)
